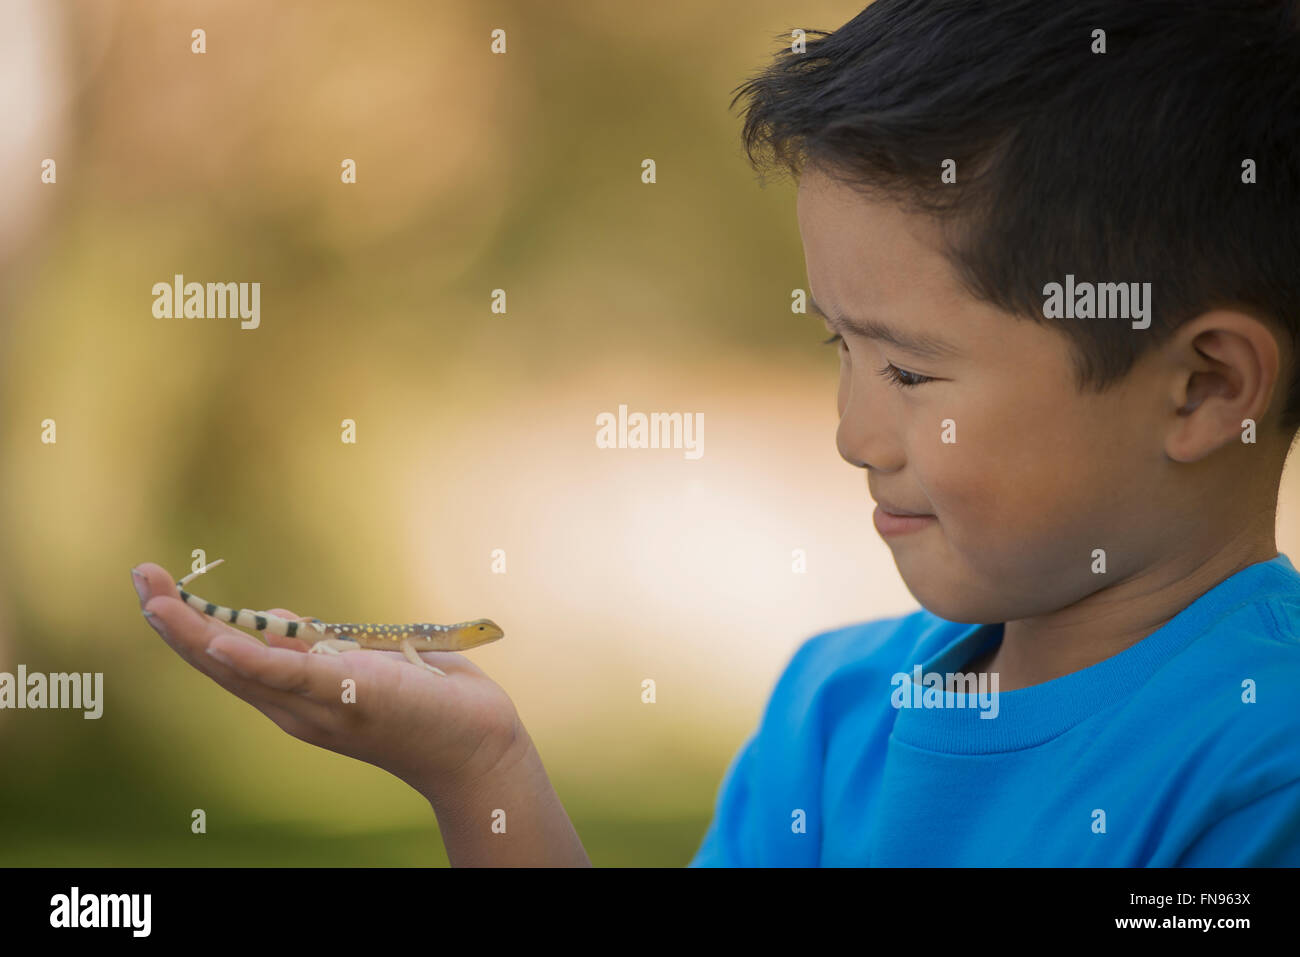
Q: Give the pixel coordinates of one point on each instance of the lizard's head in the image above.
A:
(478, 632)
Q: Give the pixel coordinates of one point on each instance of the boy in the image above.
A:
(1098, 483)
(1065, 305)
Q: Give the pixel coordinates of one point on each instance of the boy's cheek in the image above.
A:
(992, 517)
(965, 490)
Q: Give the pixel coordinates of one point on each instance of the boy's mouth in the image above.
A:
(892, 519)
(903, 513)
(889, 523)
(900, 512)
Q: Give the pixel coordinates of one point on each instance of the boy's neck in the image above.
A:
(1035, 650)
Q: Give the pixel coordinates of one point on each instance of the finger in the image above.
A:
(451, 662)
(283, 669)
(190, 634)
(150, 579)
(284, 641)
(153, 580)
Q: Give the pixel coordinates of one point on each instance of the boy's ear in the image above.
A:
(1227, 366)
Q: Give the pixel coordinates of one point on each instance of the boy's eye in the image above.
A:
(900, 377)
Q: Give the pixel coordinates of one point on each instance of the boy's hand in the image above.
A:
(437, 734)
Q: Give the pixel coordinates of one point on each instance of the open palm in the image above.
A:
(436, 733)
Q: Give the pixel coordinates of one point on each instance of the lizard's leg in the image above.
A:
(415, 659)
(334, 646)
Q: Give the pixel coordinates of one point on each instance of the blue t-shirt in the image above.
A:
(1183, 750)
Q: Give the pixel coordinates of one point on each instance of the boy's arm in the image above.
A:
(510, 817)
(723, 845)
(778, 767)
(457, 739)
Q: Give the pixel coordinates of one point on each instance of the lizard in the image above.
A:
(337, 637)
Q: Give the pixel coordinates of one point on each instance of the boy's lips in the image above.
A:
(891, 519)
(895, 510)
(890, 523)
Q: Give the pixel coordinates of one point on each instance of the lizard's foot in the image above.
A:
(415, 659)
(333, 646)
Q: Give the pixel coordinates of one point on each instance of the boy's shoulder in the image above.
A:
(1236, 681)
(862, 651)
(876, 638)
(1256, 628)
(1278, 601)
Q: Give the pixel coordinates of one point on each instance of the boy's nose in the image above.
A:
(863, 442)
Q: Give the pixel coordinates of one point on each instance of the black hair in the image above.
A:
(1122, 166)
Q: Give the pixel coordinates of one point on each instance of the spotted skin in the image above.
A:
(336, 637)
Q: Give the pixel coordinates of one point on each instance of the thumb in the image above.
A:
(282, 641)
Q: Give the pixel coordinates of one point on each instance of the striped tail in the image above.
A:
(243, 617)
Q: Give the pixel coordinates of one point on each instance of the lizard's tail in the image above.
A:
(193, 575)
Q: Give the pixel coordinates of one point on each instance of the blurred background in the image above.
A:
(475, 430)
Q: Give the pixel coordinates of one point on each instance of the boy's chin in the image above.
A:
(944, 597)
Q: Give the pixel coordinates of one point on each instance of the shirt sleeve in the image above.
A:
(1263, 833)
(723, 845)
(742, 833)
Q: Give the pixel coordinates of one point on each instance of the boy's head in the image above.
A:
(1041, 438)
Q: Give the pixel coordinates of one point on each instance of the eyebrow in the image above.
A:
(922, 345)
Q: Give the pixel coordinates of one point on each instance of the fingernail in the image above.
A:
(141, 585)
(154, 622)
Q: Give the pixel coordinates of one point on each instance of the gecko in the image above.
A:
(337, 637)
